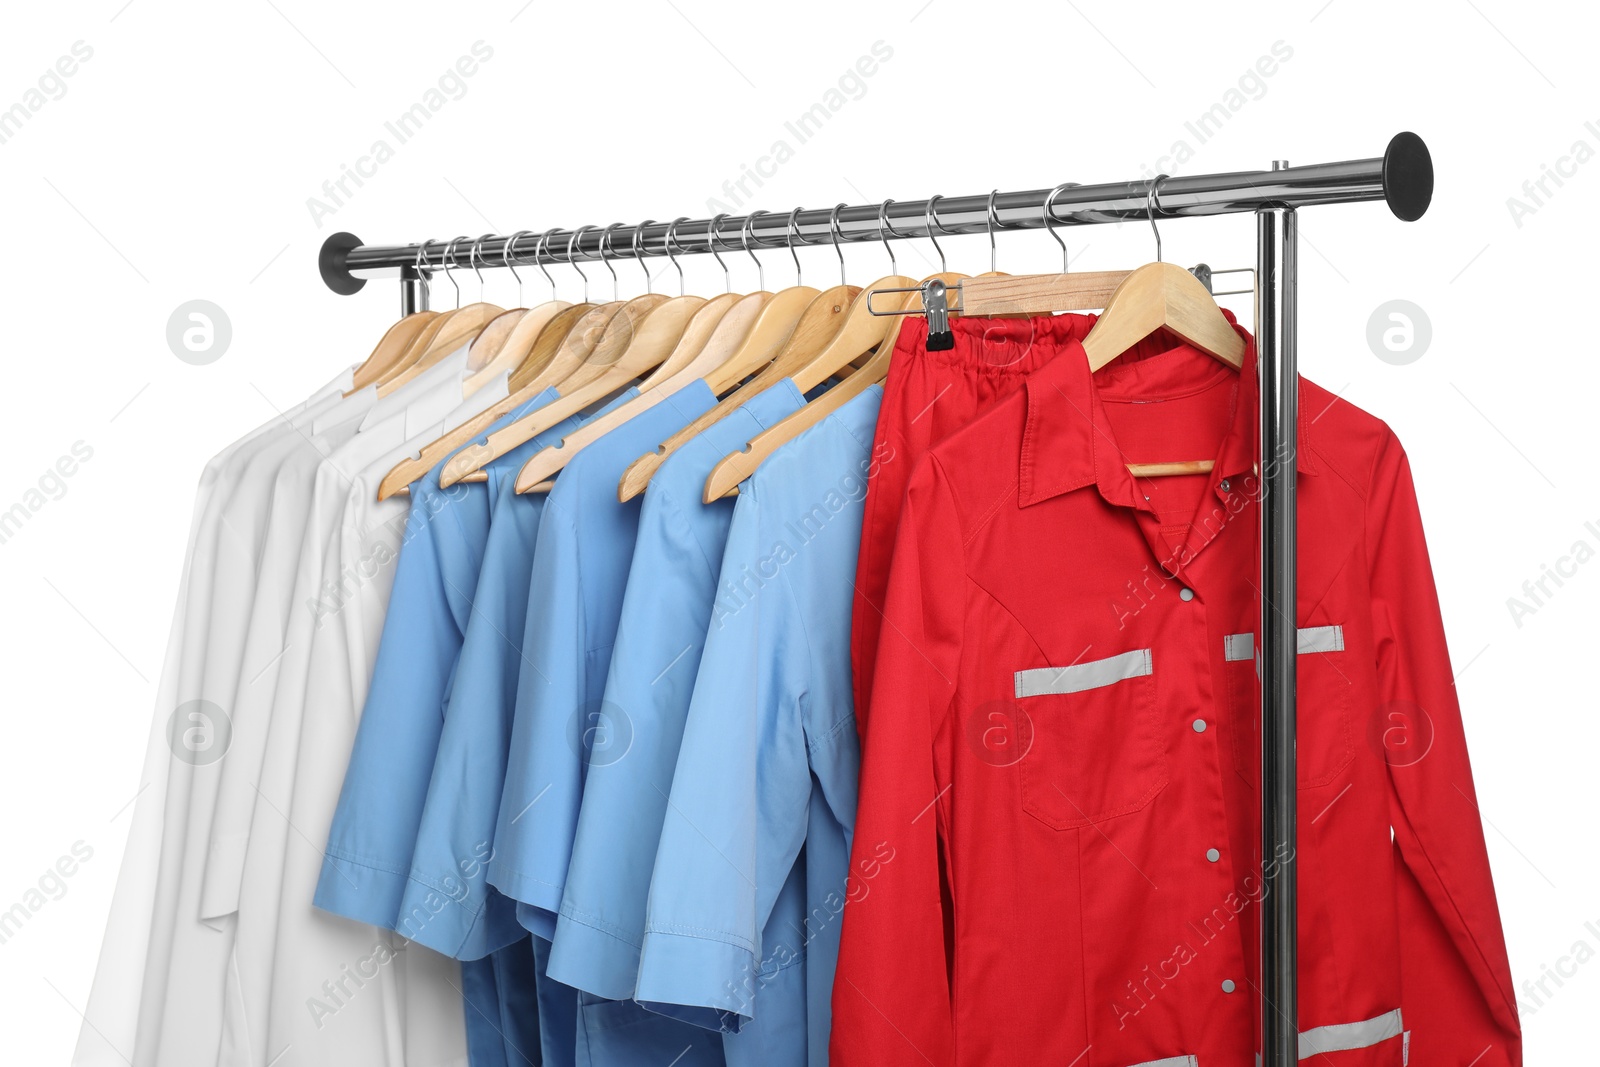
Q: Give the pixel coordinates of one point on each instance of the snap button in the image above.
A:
(1213, 855)
(1223, 485)
(1186, 594)
(1199, 726)
(1227, 985)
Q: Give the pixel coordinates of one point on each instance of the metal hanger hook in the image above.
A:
(744, 239)
(672, 239)
(992, 221)
(884, 229)
(932, 220)
(605, 239)
(1153, 205)
(833, 226)
(712, 240)
(573, 263)
(791, 232)
(505, 259)
(1050, 219)
(421, 265)
(638, 235)
(538, 257)
(472, 261)
(450, 255)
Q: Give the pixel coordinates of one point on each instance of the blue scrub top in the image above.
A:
(580, 568)
(666, 608)
(769, 760)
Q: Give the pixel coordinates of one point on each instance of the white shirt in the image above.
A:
(286, 949)
(112, 1017)
(196, 952)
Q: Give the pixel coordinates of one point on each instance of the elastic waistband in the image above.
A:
(1017, 346)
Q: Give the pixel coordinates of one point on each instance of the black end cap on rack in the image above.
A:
(1407, 176)
(330, 261)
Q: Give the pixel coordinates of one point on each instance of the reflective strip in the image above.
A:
(1042, 681)
(1236, 647)
(1344, 1036)
(1320, 639)
(1170, 1061)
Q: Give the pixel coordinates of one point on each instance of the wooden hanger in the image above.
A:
(714, 319)
(657, 340)
(737, 466)
(491, 338)
(532, 383)
(774, 325)
(392, 348)
(455, 328)
(389, 349)
(645, 338)
(443, 335)
(567, 368)
(501, 358)
(1163, 296)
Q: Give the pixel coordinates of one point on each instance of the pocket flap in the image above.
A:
(1042, 681)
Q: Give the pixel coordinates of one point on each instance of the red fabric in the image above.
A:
(1048, 896)
(927, 397)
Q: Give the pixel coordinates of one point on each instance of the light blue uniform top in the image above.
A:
(374, 830)
(769, 760)
(665, 611)
(467, 917)
(580, 567)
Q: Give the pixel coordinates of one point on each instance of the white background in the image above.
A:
(179, 159)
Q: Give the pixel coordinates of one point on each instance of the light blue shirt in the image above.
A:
(374, 830)
(769, 760)
(665, 611)
(580, 567)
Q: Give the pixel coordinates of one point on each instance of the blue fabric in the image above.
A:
(376, 826)
(580, 566)
(769, 761)
(374, 830)
(467, 917)
(665, 611)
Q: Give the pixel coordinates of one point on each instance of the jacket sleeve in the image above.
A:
(891, 994)
(1457, 994)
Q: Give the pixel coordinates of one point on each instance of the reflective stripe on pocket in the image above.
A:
(1238, 647)
(1042, 681)
(1171, 1061)
(1342, 1037)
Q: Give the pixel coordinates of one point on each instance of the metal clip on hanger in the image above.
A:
(934, 293)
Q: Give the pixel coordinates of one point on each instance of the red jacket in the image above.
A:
(1062, 760)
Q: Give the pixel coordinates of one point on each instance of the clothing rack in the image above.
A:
(1402, 177)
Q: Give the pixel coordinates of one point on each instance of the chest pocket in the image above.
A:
(1097, 751)
(1323, 742)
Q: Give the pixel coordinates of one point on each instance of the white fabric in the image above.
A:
(111, 1019)
(293, 961)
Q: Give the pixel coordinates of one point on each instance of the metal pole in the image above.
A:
(1402, 176)
(1276, 366)
(413, 291)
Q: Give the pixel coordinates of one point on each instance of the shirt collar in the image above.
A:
(1067, 441)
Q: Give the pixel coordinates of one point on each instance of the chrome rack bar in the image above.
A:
(1402, 177)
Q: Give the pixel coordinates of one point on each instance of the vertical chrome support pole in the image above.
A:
(413, 291)
(1275, 339)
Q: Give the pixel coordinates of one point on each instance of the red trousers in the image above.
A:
(927, 397)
